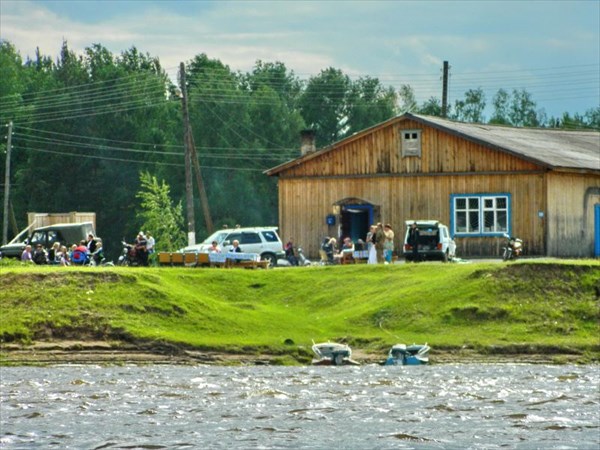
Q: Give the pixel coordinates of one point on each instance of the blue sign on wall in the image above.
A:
(330, 219)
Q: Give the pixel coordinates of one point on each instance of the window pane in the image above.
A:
(461, 222)
(501, 221)
(406, 136)
(38, 237)
(501, 202)
(250, 238)
(488, 203)
(461, 203)
(473, 203)
(488, 217)
(269, 236)
(473, 221)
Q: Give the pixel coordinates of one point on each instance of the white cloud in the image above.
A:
(382, 39)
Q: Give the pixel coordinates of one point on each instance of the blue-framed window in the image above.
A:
(480, 214)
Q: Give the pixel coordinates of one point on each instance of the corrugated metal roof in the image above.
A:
(548, 147)
(554, 148)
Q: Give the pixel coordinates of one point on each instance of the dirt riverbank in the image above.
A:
(102, 352)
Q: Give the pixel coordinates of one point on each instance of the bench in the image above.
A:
(164, 259)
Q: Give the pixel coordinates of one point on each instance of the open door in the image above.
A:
(355, 221)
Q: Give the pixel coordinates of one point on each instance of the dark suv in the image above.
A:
(65, 233)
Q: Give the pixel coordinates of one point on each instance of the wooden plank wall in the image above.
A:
(45, 219)
(379, 152)
(571, 200)
(305, 203)
(371, 167)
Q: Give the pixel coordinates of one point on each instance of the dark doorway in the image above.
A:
(355, 221)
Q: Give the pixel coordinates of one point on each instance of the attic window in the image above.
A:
(411, 143)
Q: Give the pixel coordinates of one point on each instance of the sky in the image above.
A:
(550, 48)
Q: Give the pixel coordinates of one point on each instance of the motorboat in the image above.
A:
(332, 354)
(411, 355)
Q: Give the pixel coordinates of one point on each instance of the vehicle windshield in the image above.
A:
(218, 236)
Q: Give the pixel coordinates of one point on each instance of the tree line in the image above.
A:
(103, 132)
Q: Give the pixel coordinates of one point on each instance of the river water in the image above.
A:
(369, 407)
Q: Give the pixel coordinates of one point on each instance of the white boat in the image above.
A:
(412, 355)
(332, 354)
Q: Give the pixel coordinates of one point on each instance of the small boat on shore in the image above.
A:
(412, 355)
(332, 354)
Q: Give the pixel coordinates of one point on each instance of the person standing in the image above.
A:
(388, 245)
(413, 241)
(141, 251)
(91, 243)
(380, 241)
(150, 243)
(371, 240)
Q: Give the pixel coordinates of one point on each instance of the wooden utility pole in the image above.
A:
(445, 90)
(193, 159)
(189, 194)
(200, 182)
(7, 185)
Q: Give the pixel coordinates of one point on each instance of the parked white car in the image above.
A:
(262, 240)
(434, 241)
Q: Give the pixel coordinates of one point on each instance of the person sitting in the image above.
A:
(214, 247)
(328, 250)
(98, 255)
(290, 253)
(235, 247)
(54, 254)
(27, 255)
(39, 255)
(63, 256)
(346, 253)
(80, 255)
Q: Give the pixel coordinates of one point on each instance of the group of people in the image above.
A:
(87, 251)
(234, 248)
(379, 244)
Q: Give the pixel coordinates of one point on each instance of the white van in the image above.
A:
(434, 241)
(262, 240)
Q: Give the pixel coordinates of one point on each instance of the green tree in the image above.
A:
(407, 99)
(432, 107)
(369, 103)
(159, 215)
(522, 110)
(324, 107)
(500, 103)
(471, 108)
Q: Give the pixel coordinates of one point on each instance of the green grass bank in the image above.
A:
(549, 310)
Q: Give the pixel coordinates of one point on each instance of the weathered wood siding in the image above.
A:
(380, 153)
(546, 206)
(571, 200)
(305, 203)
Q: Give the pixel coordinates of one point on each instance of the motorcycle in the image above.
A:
(513, 248)
(301, 260)
(128, 255)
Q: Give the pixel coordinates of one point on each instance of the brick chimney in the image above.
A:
(307, 142)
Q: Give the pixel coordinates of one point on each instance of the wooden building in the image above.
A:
(542, 185)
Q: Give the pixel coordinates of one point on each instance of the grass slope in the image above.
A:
(540, 304)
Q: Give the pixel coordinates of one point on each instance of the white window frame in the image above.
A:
(410, 143)
(478, 208)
